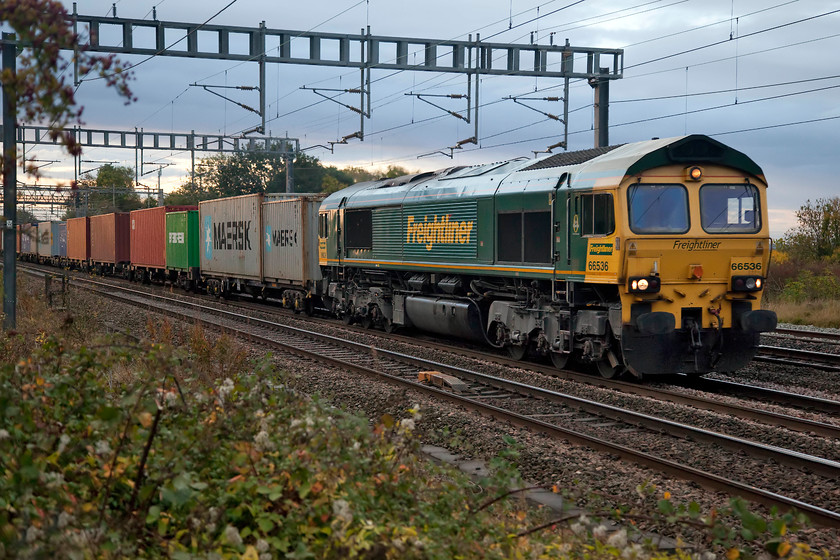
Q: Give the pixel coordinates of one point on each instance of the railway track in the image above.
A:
(520, 404)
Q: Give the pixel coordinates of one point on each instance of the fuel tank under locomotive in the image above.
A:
(457, 318)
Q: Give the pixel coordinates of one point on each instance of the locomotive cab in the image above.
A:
(696, 257)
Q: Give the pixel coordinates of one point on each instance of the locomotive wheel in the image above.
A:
(348, 315)
(516, 352)
(606, 370)
(559, 360)
(389, 326)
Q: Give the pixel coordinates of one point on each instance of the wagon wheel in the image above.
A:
(516, 352)
(559, 360)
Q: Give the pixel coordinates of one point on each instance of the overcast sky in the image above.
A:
(771, 91)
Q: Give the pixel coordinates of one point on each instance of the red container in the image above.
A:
(148, 235)
(78, 239)
(110, 238)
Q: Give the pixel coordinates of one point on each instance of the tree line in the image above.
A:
(111, 189)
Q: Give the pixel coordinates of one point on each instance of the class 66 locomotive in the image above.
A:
(647, 258)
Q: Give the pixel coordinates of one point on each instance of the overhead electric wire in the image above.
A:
(729, 90)
(716, 43)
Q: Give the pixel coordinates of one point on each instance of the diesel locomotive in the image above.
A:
(648, 257)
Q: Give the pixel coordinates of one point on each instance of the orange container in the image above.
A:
(78, 239)
(110, 238)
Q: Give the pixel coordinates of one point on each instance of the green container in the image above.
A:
(182, 240)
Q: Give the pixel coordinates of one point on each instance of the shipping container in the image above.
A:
(290, 241)
(59, 248)
(78, 239)
(182, 240)
(17, 238)
(50, 240)
(148, 236)
(28, 239)
(230, 237)
(110, 238)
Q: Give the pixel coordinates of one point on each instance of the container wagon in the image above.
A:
(183, 240)
(231, 260)
(148, 242)
(29, 242)
(110, 243)
(52, 242)
(78, 242)
(289, 250)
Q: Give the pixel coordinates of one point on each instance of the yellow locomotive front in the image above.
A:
(696, 250)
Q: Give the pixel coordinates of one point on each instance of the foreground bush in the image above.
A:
(132, 451)
(150, 464)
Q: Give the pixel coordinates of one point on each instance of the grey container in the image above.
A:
(59, 246)
(290, 241)
(44, 239)
(52, 239)
(230, 237)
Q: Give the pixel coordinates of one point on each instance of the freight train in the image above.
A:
(648, 258)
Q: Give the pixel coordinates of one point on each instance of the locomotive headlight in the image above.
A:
(647, 284)
(750, 283)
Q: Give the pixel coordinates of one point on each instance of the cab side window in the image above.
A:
(358, 229)
(597, 214)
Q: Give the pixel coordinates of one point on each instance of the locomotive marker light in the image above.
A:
(747, 283)
(694, 173)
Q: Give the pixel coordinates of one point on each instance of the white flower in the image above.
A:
(262, 545)
(33, 534)
(599, 532)
(171, 398)
(407, 424)
(225, 388)
(618, 539)
(52, 479)
(341, 509)
(232, 535)
(266, 556)
(62, 443)
(633, 552)
(103, 447)
(578, 529)
(211, 528)
(4, 435)
(262, 441)
(64, 519)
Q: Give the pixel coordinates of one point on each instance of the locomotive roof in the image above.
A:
(583, 169)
